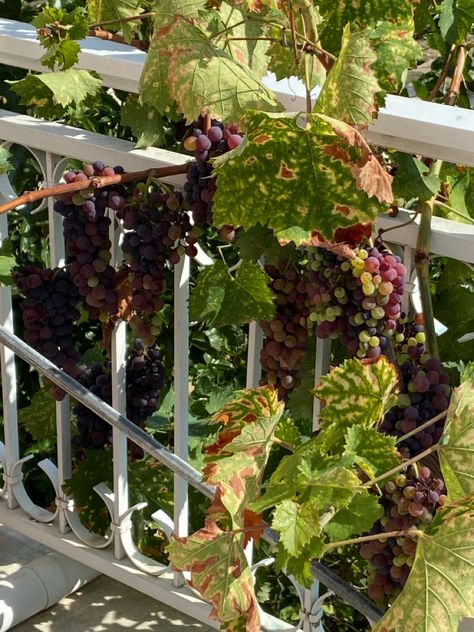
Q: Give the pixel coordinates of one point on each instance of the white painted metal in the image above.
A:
(321, 367)
(254, 344)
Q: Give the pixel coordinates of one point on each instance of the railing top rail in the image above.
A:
(406, 124)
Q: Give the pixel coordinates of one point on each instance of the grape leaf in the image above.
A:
(7, 262)
(413, 179)
(288, 432)
(457, 17)
(349, 91)
(257, 241)
(397, 51)
(362, 12)
(297, 524)
(456, 454)
(334, 486)
(5, 164)
(358, 517)
(222, 299)
(322, 176)
(106, 10)
(219, 572)
(184, 66)
(440, 588)
(355, 393)
(58, 31)
(374, 452)
(145, 122)
(39, 418)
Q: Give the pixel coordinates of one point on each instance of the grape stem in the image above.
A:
(115, 37)
(403, 533)
(96, 182)
(418, 429)
(467, 218)
(402, 466)
(442, 77)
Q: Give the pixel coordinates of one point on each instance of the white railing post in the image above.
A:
(321, 367)
(181, 386)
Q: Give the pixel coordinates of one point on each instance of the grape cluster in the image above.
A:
(200, 186)
(357, 299)
(158, 233)
(409, 501)
(425, 393)
(286, 336)
(86, 232)
(144, 380)
(49, 312)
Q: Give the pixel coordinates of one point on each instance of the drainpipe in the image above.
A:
(39, 585)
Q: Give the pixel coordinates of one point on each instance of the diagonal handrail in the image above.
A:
(173, 462)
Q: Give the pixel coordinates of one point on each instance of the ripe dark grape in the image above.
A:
(49, 312)
(357, 299)
(409, 501)
(200, 186)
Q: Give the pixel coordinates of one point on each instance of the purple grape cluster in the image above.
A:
(410, 500)
(86, 232)
(158, 233)
(200, 186)
(357, 299)
(144, 381)
(49, 312)
(286, 336)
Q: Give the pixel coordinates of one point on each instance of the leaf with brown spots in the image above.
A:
(439, 592)
(322, 176)
(220, 573)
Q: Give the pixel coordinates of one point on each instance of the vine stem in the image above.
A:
(402, 466)
(418, 429)
(115, 37)
(442, 77)
(403, 533)
(468, 218)
(96, 182)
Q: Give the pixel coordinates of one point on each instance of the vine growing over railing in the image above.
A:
(302, 191)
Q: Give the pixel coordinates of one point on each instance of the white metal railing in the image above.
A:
(405, 124)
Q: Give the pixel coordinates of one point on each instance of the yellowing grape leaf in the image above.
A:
(220, 573)
(183, 65)
(349, 91)
(355, 393)
(320, 176)
(456, 453)
(440, 588)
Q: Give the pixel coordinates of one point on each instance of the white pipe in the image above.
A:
(39, 585)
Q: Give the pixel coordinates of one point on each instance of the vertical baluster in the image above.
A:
(321, 367)
(408, 262)
(63, 408)
(119, 402)
(254, 368)
(9, 392)
(181, 385)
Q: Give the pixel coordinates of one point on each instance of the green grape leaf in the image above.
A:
(296, 523)
(222, 299)
(358, 517)
(56, 24)
(258, 241)
(349, 91)
(5, 164)
(334, 486)
(440, 588)
(184, 66)
(457, 17)
(283, 63)
(287, 469)
(7, 263)
(355, 393)
(39, 418)
(105, 10)
(458, 187)
(64, 54)
(362, 12)
(219, 572)
(372, 451)
(300, 401)
(322, 176)
(456, 453)
(273, 495)
(413, 179)
(288, 433)
(397, 51)
(145, 122)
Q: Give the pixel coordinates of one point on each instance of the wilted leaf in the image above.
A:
(222, 299)
(350, 88)
(440, 588)
(321, 176)
(355, 394)
(457, 444)
(219, 572)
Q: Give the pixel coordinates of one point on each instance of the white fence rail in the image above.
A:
(405, 124)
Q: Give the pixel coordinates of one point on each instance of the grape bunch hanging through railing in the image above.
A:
(356, 298)
(200, 186)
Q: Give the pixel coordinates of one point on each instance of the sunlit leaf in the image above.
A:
(457, 17)
(440, 588)
(296, 523)
(321, 176)
(358, 517)
(105, 10)
(374, 452)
